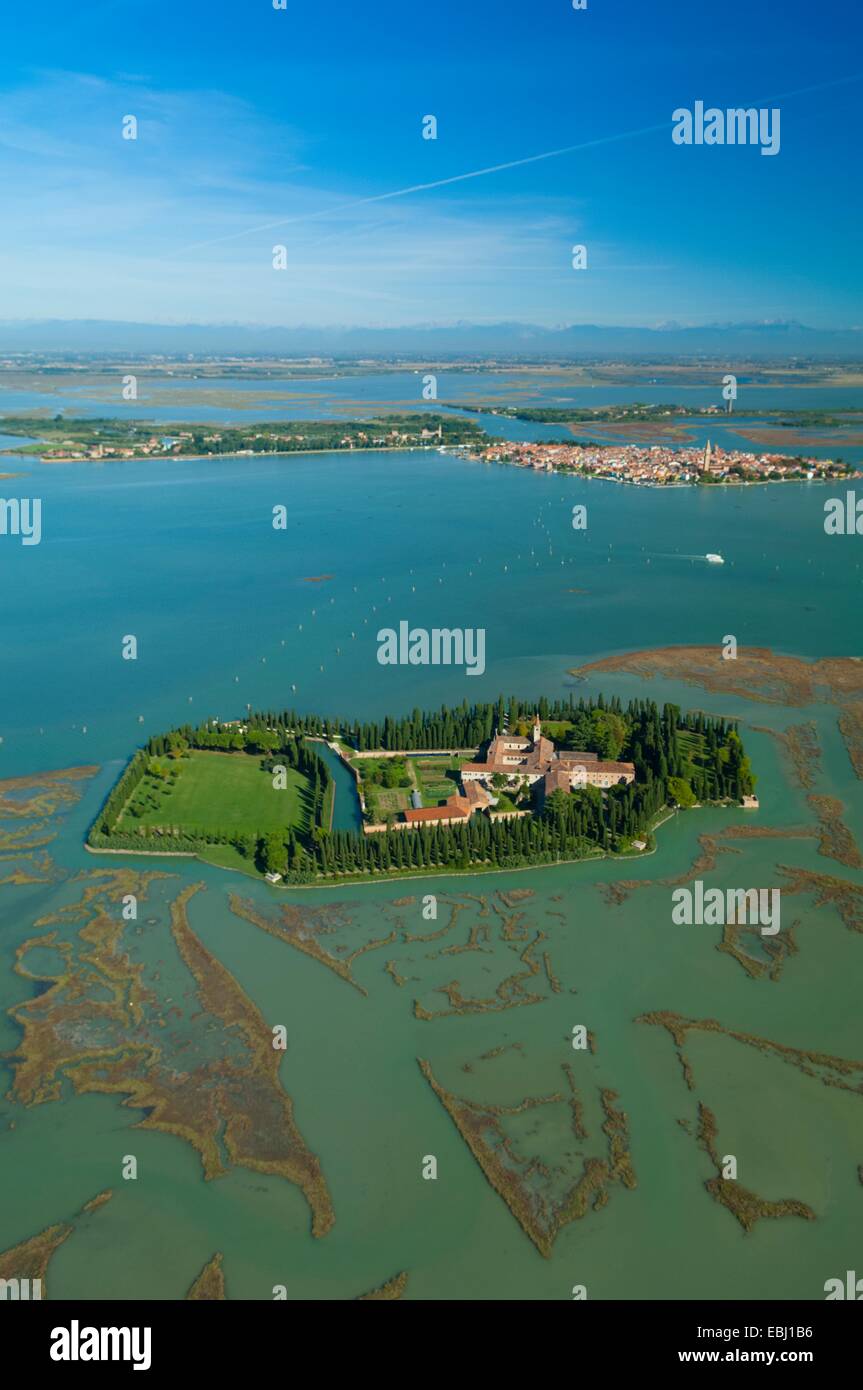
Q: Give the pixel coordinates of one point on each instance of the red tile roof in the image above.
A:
(432, 813)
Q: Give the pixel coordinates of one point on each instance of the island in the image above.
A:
(652, 450)
(638, 412)
(73, 439)
(475, 788)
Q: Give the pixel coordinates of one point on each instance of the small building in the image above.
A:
(437, 815)
(455, 810)
(273, 878)
(751, 803)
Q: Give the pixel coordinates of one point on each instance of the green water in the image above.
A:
(183, 555)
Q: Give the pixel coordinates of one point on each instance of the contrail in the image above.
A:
(424, 187)
(490, 169)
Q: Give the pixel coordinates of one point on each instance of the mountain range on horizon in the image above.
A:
(513, 340)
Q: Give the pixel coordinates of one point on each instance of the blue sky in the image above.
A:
(260, 127)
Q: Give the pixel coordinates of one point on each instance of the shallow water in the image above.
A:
(320, 398)
(184, 556)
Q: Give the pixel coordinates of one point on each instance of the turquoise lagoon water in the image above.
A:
(184, 556)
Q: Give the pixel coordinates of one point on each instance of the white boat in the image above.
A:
(714, 559)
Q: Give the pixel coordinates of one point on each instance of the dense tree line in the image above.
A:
(464, 726)
(571, 826)
(278, 436)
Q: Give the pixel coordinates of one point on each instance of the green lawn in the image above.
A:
(555, 729)
(693, 748)
(218, 791)
(227, 857)
(432, 779)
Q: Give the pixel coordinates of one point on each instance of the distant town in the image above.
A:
(74, 439)
(657, 465)
(64, 439)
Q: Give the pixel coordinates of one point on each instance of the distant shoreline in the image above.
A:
(249, 454)
(452, 450)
